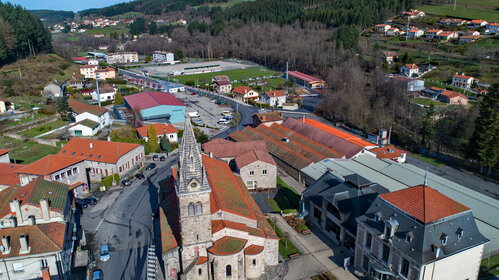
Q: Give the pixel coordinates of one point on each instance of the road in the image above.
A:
(123, 219)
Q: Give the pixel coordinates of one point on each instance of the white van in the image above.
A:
(193, 114)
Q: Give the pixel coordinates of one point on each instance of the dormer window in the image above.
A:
(444, 238)
(378, 216)
(409, 237)
(391, 226)
(459, 233)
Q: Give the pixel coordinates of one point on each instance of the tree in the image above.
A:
(484, 145)
(153, 28)
(64, 110)
(178, 54)
(427, 128)
(165, 144)
(152, 139)
(406, 58)
(118, 99)
(148, 58)
(138, 26)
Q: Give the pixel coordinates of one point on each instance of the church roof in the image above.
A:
(227, 245)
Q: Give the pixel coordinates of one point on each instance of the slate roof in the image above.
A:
(161, 128)
(50, 164)
(8, 174)
(43, 238)
(227, 245)
(101, 151)
(424, 235)
(80, 107)
(145, 100)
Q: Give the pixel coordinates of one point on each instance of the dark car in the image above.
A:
(162, 158)
(155, 157)
(90, 200)
(140, 176)
(126, 182)
(81, 204)
(193, 93)
(151, 166)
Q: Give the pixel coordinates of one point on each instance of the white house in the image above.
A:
(88, 71)
(162, 129)
(415, 33)
(163, 57)
(273, 98)
(105, 93)
(382, 27)
(4, 156)
(410, 70)
(94, 113)
(432, 33)
(477, 23)
(94, 62)
(447, 35)
(85, 127)
(462, 81)
(245, 93)
(392, 32)
(52, 90)
(468, 38)
(493, 27)
(413, 14)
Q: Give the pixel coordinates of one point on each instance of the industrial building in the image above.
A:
(156, 106)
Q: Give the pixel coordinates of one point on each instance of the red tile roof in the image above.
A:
(305, 77)
(252, 156)
(228, 149)
(242, 90)
(424, 203)
(202, 260)
(43, 238)
(269, 116)
(50, 164)
(8, 175)
(462, 76)
(108, 69)
(227, 245)
(452, 94)
(433, 30)
(275, 93)
(161, 128)
(253, 250)
(4, 151)
(477, 21)
(387, 152)
(81, 107)
(168, 240)
(412, 66)
(101, 151)
(145, 100)
(339, 133)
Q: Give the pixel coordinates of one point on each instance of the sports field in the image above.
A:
(466, 9)
(234, 75)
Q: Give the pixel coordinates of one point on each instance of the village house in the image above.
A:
(273, 98)
(245, 94)
(477, 23)
(389, 57)
(4, 156)
(6, 105)
(163, 57)
(471, 33)
(453, 98)
(462, 81)
(84, 127)
(453, 21)
(413, 14)
(93, 62)
(106, 73)
(79, 60)
(382, 27)
(409, 84)
(392, 31)
(492, 27)
(83, 111)
(221, 84)
(468, 38)
(106, 93)
(124, 57)
(219, 231)
(267, 118)
(410, 70)
(415, 33)
(162, 130)
(76, 82)
(418, 233)
(432, 33)
(88, 71)
(105, 158)
(8, 175)
(52, 90)
(447, 35)
(251, 160)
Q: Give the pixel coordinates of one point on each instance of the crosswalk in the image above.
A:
(151, 263)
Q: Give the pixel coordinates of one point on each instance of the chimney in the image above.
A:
(44, 206)
(45, 273)
(462, 74)
(91, 145)
(6, 245)
(15, 207)
(24, 242)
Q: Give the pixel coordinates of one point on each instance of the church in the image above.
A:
(211, 228)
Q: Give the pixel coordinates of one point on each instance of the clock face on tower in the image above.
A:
(194, 185)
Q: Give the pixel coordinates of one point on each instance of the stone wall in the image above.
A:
(263, 181)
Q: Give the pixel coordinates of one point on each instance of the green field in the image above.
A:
(490, 3)
(26, 152)
(466, 12)
(35, 131)
(107, 30)
(236, 74)
(489, 267)
(428, 102)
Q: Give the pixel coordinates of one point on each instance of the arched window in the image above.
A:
(200, 271)
(254, 261)
(191, 209)
(228, 270)
(199, 208)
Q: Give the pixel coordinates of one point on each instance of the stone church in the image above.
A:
(211, 228)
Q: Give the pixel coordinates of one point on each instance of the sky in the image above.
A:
(65, 5)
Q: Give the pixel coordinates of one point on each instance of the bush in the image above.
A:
(107, 182)
(46, 111)
(189, 83)
(116, 177)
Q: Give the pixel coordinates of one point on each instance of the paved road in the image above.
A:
(123, 219)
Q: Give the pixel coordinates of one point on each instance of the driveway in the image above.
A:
(123, 219)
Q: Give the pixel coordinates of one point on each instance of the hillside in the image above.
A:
(51, 17)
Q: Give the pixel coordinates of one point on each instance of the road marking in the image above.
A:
(100, 223)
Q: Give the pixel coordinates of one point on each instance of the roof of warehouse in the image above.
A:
(149, 99)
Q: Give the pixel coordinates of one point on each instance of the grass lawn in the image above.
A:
(490, 267)
(107, 30)
(22, 120)
(428, 102)
(236, 74)
(430, 160)
(26, 152)
(292, 196)
(35, 131)
(466, 12)
(286, 247)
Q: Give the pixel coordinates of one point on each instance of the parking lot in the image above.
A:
(209, 112)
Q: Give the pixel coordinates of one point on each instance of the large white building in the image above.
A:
(92, 113)
(163, 57)
(124, 57)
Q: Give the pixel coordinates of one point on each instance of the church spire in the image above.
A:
(192, 177)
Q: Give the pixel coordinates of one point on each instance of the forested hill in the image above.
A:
(148, 7)
(50, 17)
(21, 34)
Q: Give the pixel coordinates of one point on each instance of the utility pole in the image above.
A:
(455, 3)
(407, 33)
(97, 87)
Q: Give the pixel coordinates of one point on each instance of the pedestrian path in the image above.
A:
(151, 263)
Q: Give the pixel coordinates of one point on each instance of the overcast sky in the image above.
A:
(65, 5)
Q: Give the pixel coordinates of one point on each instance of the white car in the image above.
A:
(105, 255)
(223, 121)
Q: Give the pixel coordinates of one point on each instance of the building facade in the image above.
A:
(274, 98)
(163, 57)
(124, 57)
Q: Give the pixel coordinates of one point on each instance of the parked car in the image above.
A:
(155, 157)
(213, 101)
(228, 117)
(199, 122)
(151, 166)
(105, 255)
(226, 113)
(140, 176)
(162, 158)
(223, 121)
(193, 93)
(193, 114)
(81, 204)
(90, 200)
(126, 182)
(219, 102)
(97, 275)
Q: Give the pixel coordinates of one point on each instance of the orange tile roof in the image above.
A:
(424, 203)
(254, 155)
(4, 151)
(412, 66)
(161, 128)
(344, 135)
(462, 76)
(8, 175)
(227, 245)
(242, 90)
(218, 225)
(276, 93)
(452, 94)
(81, 107)
(202, 260)
(101, 151)
(387, 152)
(253, 250)
(433, 30)
(270, 116)
(43, 238)
(50, 164)
(477, 21)
(168, 240)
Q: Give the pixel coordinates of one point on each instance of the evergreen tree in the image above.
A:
(64, 110)
(152, 139)
(178, 54)
(427, 129)
(118, 99)
(165, 144)
(153, 28)
(484, 145)
(138, 26)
